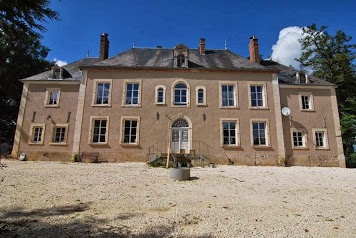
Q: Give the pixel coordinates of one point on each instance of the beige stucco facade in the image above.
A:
(77, 111)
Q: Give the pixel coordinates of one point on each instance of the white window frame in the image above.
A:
(173, 93)
(236, 98)
(304, 138)
(237, 132)
(264, 95)
(164, 95)
(267, 134)
(91, 133)
(54, 128)
(48, 97)
(311, 101)
(95, 89)
(31, 137)
(197, 95)
(325, 139)
(298, 77)
(122, 131)
(125, 83)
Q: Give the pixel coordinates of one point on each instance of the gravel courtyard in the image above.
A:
(53, 199)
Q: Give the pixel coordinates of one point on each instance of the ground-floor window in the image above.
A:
(37, 134)
(130, 130)
(59, 135)
(99, 131)
(260, 133)
(230, 132)
(320, 139)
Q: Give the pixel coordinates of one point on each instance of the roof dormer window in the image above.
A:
(302, 77)
(180, 54)
(57, 72)
(180, 61)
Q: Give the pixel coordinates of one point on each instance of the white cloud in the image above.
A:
(288, 47)
(60, 63)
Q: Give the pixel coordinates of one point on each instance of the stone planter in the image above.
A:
(180, 174)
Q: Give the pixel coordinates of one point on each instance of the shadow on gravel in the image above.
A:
(19, 223)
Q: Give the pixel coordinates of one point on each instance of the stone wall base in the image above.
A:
(313, 161)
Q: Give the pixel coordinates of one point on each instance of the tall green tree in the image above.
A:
(21, 54)
(332, 57)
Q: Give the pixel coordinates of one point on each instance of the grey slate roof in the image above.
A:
(72, 71)
(287, 75)
(163, 58)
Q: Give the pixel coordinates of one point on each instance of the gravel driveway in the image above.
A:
(53, 199)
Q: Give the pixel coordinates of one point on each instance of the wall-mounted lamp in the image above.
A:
(204, 117)
(33, 116)
(157, 116)
(48, 117)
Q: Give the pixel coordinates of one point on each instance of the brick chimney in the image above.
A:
(202, 46)
(104, 46)
(254, 52)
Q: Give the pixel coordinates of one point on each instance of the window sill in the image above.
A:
(322, 148)
(300, 148)
(35, 143)
(101, 105)
(201, 105)
(258, 108)
(98, 144)
(160, 104)
(55, 106)
(129, 105)
(187, 106)
(261, 146)
(230, 146)
(307, 110)
(129, 145)
(230, 107)
(58, 143)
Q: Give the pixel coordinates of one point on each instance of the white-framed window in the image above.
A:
(132, 93)
(102, 92)
(302, 77)
(52, 97)
(180, 60)
(306, 101)
(200, 96)
(299, 139)
(258, 95)
(130, 132)
(260, 132)
(160, 94)
(180, 93)
(37, 134)
(99, 131)
(230, 132)
(228, 94)
(320, 139)
(59, 134)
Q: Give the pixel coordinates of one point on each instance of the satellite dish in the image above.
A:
(285, 111)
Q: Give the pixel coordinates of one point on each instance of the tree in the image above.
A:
(21, 54)
(332, 58)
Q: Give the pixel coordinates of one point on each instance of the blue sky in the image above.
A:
(170, 22)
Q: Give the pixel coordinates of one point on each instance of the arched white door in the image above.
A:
(180, 136)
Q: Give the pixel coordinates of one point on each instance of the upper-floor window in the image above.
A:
(200, 96)
(132, 93)
(102, 93)
(160, 94)
(306, 101)
(52, 97)
(257, 96)
(180, 94)
(228, 94)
